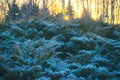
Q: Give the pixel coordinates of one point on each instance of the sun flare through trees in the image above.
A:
(105, 10)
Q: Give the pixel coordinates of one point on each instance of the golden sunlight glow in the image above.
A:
(94, 8)
(66, 18)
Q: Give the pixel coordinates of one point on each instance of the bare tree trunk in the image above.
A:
(70, 11)
(29, 8)
(43, 7)
(117, 18)
(112, 11)
(87, 6)
(103, 10)
(78, 8)
(98, 7)
(83, 6)
(95, 7)
(63, 6)
(3, 11)
(90, 7)
(119, 11)
(107, 12)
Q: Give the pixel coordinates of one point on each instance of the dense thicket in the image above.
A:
(42, 50)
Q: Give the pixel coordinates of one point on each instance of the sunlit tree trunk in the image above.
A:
(29, 8)
(90, 7)
(87, 6)
(103, 10)
(119, 11)
(97, 8)
(3, 11)
(44, 7)
(117, 18)
(112, 11)
(60, 6)
(63, 6)
(70, 11)
(107, 12)
(78, 2)
(83, 5)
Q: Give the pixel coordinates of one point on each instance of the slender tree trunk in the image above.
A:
(98, 8)
(30, 8)
(87, 6)
(95, 7)
(43, 7)
(63, 6)
(3, 8)
(103, 10)
(83, 5)
(90, 7)
(107, 12)
(70, 11)
(119, 11)
(112, 11)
